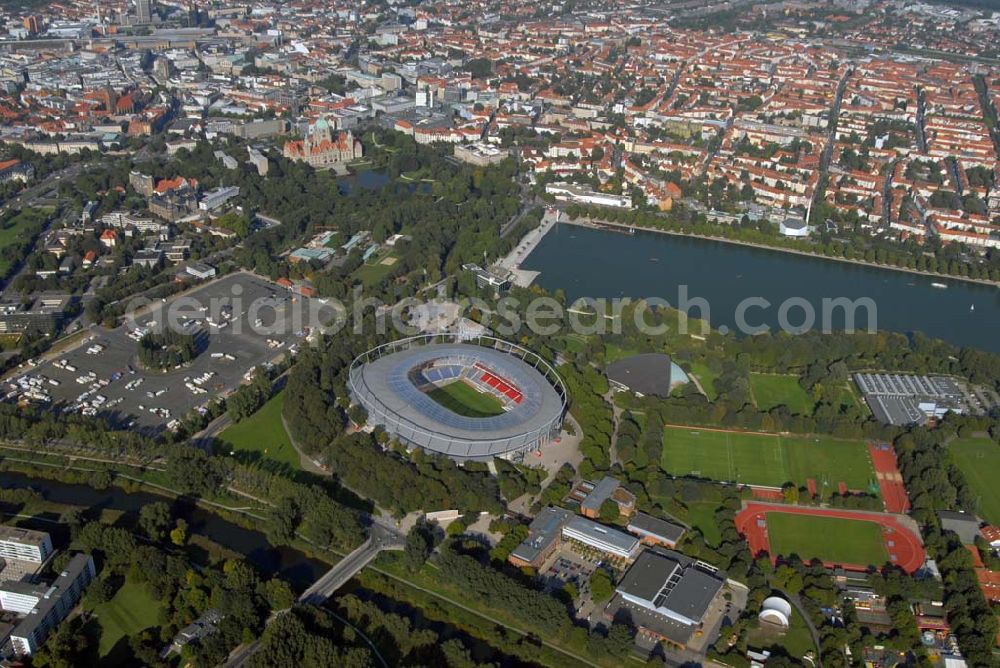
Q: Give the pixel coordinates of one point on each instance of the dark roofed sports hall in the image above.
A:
(400, 385)
(647, 374)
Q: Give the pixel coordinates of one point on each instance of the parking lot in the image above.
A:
(565, 565)
(239, 322)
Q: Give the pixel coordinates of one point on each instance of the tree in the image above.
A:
(101, 479)
(281, 522)
(791, 492)
(788, 579)
(619, 641)
(419, 544)
(609, 511)
(99, 591)
(179, 534)
(193, 472)
(278, 594)
(248, 399)
(66, 648)
(602, 588)
(155, 520)
(167, 349)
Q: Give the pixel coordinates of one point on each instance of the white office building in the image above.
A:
(600, 537)
(24, 544)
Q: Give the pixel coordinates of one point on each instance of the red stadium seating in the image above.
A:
(500, 385)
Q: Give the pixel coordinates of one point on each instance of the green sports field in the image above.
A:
(460, 397)
(979, 460)
(771, 390)
(766, 459)
(829, 538)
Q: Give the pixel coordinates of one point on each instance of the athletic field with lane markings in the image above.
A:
(852, 539)
(767, 459)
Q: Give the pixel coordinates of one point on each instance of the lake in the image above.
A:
(586, 262)
(365, 179)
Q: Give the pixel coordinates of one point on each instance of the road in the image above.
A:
(813, 633)
(887, 193)
(921, 110)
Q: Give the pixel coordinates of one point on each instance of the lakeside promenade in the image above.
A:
(628, 229)
(524, 248)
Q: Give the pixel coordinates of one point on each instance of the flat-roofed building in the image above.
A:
(44, 315)
(480, 154)
(654, 531)
(570, 192)
(543, 538)
(606, 539)
(24, 544)
(668, 594)
(489, 279)
(45, 606)
(607, 488)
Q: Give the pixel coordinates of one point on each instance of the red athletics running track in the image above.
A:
(904, 548)
(890, 481)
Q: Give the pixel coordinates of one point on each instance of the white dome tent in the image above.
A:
(777, 611)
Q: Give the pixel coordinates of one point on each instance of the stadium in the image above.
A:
(470, 399)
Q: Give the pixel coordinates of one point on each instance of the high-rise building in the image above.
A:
(33, 24)
(24, 544)
(45, 606)
(143, 11)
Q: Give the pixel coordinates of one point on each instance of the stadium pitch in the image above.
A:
(461, 398)
(768, 459)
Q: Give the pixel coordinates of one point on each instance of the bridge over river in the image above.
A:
(381, 537)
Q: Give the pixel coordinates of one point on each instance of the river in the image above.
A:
(586, 262)
(290, 564)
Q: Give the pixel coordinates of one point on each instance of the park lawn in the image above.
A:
(796, 640)
(979, 461)
(847, 399)
(701, 515)
(767, 459)
(613, 353)
(376, 269)
(573, 344)
(17, 229)
(132, 609)
(831, 539)
(771, 390)
(461, 398)
(264, 433)
(706, 377)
